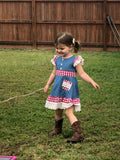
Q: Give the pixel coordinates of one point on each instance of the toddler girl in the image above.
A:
(65, 91)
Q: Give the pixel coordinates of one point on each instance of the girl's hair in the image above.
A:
(67, 39)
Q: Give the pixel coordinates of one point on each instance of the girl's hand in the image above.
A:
(95, 85)
(46, 88)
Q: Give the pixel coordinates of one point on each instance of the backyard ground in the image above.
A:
(25, 123)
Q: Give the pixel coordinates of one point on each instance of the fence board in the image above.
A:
(37, 22)
(34, 23)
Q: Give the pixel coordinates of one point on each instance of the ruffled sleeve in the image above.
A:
(53, 61)
(78, 60)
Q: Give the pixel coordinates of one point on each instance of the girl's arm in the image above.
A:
(50, 80)
(85, 76)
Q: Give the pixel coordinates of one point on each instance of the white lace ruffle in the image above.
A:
(61, 105)
(78, 60)
(53, 61)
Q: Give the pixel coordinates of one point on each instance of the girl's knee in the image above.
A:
(68, 112)
(58, 113)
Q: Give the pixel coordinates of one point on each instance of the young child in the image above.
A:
(65, 92)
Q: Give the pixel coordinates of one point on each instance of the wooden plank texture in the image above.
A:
(37, 22)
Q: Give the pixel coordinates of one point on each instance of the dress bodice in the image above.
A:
(65, 64)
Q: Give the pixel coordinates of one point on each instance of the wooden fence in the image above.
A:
(35, 23)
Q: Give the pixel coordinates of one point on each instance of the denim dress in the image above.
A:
(65, 91)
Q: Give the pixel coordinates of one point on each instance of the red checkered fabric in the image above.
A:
(66, 73)
(63, 99)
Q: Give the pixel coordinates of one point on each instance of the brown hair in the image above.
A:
(67, 39)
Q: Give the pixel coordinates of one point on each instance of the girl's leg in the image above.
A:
(75, 124)
(58, 114)
(58, 123)
(69, 113)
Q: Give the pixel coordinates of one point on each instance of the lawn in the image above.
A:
(25, 123)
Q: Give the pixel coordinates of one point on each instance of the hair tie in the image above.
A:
(73, 41)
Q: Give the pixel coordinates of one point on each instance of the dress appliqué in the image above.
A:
(66, 85)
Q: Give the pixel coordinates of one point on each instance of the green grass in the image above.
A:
(25, 123)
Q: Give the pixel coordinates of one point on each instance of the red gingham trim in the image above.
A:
(65, 73)
(63, 99)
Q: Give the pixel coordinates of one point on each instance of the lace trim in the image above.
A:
(61, 105)
(78, 60)
(54, 59)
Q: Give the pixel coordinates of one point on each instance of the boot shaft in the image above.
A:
(77, 133)
(76, 127)
(58, 128)
(58, 124)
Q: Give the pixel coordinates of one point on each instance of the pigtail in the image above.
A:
(76, 45)
(67, 39)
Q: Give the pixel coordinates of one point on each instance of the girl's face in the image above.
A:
(64, 50)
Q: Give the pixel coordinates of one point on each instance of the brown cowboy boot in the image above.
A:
(77, 133)
(58, 128)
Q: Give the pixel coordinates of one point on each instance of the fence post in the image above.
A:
(34, 23)
(105, 26)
